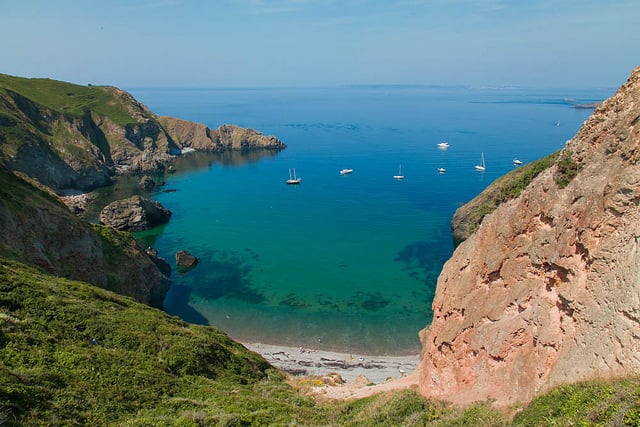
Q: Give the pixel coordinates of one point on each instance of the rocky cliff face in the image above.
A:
(75, 137)
(547, 290)
(37, 229)
(135, 213)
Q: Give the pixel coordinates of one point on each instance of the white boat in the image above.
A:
(399, 176)
(517, 162)
(443, 145)
(346, 171)
(481, 166)
(441, 170)
(293, 180)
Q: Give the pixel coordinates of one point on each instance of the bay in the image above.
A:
(346, 263)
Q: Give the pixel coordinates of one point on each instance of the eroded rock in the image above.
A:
(185, 261)
(546, 291)
(135, 213)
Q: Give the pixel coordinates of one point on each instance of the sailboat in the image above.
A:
(293, 179)
(399, 176)
(481, 166)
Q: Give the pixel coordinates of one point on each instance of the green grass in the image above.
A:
(71, 99)
(148, 368)
(144, 362)
(506, 188)
(594, 403)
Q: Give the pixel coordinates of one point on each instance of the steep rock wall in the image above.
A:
(547, 290)
(37, 229)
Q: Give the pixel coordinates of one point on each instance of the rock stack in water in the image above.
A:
(185, 261)
(547, 290)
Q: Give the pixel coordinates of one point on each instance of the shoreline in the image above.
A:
(302, 362)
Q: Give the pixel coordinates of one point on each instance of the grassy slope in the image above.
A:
(70, 98)
(145, 365)
(149, 368)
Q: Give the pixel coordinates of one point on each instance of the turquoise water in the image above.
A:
(345, 263)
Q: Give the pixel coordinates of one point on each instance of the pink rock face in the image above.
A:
(547, 290)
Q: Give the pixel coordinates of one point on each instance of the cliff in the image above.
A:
(37, 229)
(546, 290)
(72, 137)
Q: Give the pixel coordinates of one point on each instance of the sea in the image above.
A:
(345, 263)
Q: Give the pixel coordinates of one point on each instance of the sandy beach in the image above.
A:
(307, 362)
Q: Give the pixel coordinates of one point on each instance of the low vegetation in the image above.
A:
(71, 99)
(74, 354)
(567, 169)
(510, 186)
(505, 188)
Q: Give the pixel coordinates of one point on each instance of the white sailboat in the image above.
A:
(293, 179)
(481, 166)
(399, 176)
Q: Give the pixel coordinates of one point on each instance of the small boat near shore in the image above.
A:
(443, 145)
(517, 162)
(293, 179)
(346, 171)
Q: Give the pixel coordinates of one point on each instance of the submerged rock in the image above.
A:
(134, 214)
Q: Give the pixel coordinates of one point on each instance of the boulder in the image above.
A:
(185, 261)
(134, 214)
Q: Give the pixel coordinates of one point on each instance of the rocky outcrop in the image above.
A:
(185, 261)
(72, 137)
(546, 291)
(190, 135)
(135, 213)
(37, 229)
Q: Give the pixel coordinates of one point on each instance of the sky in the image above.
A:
(314, 43)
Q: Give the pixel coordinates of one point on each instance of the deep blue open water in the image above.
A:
(346, 263)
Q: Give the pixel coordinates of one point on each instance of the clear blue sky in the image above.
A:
(254, 43)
